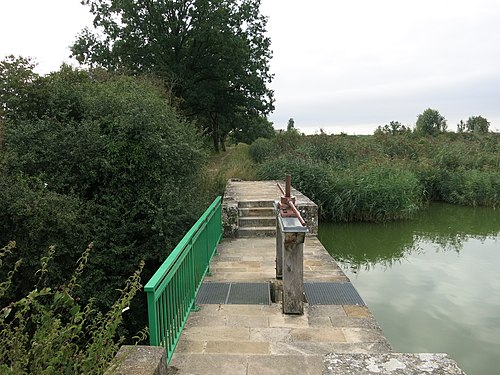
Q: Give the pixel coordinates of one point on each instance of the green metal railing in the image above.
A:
(172, 289)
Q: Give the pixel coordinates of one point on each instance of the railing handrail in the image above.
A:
(162, 272)
(171, 291)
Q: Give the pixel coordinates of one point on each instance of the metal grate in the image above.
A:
(212, 293)
(332, 294)
(249, 294)
(234, 294)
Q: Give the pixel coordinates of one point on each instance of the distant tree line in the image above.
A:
(431, 122)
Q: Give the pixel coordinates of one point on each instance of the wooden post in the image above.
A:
(292, 239)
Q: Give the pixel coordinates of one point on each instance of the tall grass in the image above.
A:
(235, 162)
(385, 177)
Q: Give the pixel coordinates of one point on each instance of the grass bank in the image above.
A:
(235, 162)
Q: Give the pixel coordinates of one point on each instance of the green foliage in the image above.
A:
(262, 149)
(461, 127)
(234, 163)
(16, 73)
(477, 124)
(213, 55)
(36, 218)
(48, 331)
(371, 193)
(252, 129)
(98, 157)
(430, 122)
(393, 128)
(287, 141)
(471, 187)
(387, 176)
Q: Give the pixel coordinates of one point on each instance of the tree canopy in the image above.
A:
(431, 122)
(477, 124)
(213, 54)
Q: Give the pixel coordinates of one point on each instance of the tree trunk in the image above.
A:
(215, 132)
(223, 144)
(215, 139)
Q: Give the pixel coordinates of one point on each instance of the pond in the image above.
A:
(433, 282)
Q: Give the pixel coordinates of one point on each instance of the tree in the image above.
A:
(394, 127)
(461, 126)
(431, 122)
(291, 125)
(16, 73)
(213, 53)
(258, 127)
(477, 124)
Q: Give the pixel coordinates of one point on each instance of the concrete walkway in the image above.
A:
(256, 339)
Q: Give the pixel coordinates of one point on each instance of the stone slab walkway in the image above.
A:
(259, 339)
(253, 260)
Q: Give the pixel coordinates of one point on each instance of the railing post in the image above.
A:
(154, 339)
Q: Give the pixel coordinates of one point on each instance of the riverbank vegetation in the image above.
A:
(90, 156)
(387, 176)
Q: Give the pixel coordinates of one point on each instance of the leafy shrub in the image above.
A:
(430, 122)
(477, 124)
(288, 141)
(261, 149)
(107, 157)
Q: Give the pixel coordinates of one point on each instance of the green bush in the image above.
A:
(261, 149)
(288, 141)
(103, 158)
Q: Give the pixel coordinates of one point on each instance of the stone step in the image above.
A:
(251, 204)
(257, 232)
(257, 221)
(256, 211)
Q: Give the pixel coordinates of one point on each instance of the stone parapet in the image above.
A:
(241, 191)
(390, 364)
(139, 360)
(230, 211)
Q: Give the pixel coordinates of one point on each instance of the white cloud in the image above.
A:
(41, 29)
(349, 65)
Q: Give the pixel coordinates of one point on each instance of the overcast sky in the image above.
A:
(339, 65)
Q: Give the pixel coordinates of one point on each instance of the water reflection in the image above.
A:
(361, 246)
(432, 282)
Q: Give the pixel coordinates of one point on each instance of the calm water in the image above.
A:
(433, 283)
